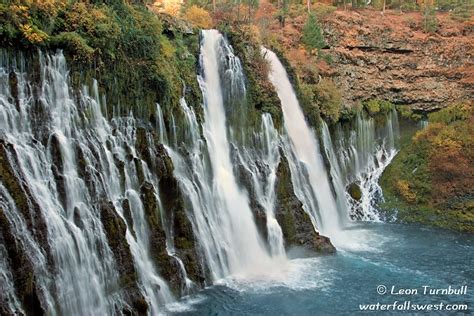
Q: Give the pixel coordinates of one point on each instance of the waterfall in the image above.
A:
(362, 155)
(309, 176)
(72, 158)
(261, 161)
(222, 217)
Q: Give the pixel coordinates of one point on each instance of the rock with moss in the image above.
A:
(296, 225)
(354, 191)
(261, 95)
(14, 181)
(166, 265)
(22, 269)
(259, 215)
(115, 231)
(177, 218)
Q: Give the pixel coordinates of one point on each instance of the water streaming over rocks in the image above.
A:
(75, 198)
(358, 157)
(223, 217)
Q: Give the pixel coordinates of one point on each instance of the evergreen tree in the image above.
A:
(312, 35)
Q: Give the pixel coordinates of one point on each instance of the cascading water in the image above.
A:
(362, 155)
(222, 217)
(79, 171)
(70, 160)
(261, 161)
(310, 180)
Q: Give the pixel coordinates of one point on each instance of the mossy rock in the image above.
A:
(354, 191)
(296, 224)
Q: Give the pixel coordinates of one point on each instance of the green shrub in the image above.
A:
(431, 179)
(375, 106)
(312, 35)
(74, 44)
(329, 99)
(457, 112)
(407, 112)
(430, 23)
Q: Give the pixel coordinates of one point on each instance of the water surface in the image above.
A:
(403, 256)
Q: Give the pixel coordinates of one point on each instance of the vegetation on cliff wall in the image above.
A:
(261, 94)
(431, 180)
(105, 40)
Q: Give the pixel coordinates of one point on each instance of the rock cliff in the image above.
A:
(390, 57)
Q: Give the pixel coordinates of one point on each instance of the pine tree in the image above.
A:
(312, 35)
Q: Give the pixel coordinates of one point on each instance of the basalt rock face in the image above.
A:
(390, 57)
(115, 230)
(296, 225)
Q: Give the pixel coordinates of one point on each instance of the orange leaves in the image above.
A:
(403, 188)
(171, 7)
(198, 16)
(32, 34)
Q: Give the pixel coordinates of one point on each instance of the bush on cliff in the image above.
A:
(432, 179)
(313, 38)
(326, 97)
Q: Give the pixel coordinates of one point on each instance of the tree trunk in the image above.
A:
(308, 3)
(238, 11)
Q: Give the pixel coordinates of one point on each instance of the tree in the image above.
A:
(312, 35)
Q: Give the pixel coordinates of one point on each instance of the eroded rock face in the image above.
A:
(296, 225)
(186, 246)
(389, 57)
(115, 230)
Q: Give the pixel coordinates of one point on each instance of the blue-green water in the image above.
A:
(403, 256)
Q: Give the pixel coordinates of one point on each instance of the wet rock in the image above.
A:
(55, 151)
(178, 219)
(22, 269)
(354, 191)
(139, 168)
(142, 146)
(163, 163)
(13, 180)
(167, 266)
(127, 213)
(184, 240)
(115, 231)
(77, 218)
(260, 217)
(13, 81)
(296, 225)
(57, 168)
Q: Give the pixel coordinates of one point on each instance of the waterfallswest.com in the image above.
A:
(413, 307)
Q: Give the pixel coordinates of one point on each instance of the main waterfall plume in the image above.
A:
(223, 219)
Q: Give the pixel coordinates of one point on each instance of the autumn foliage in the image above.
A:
(435, 173)
(198, 16)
